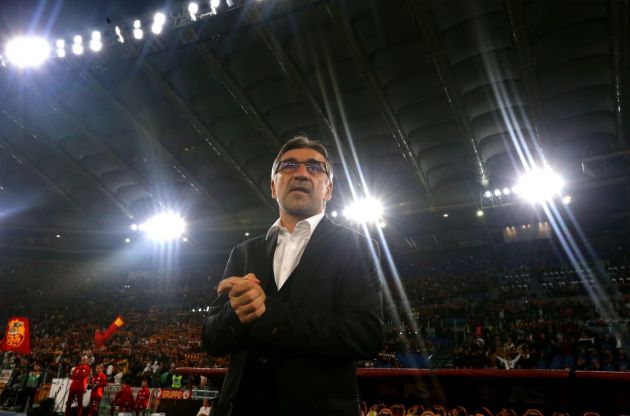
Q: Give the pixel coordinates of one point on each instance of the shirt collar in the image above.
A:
(311, 221)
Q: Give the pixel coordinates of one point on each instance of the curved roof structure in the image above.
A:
(426, 104)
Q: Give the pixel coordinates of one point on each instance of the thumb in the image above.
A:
(252, 278)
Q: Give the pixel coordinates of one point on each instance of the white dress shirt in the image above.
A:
(290, 246)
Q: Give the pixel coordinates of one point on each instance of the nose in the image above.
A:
(301, 170)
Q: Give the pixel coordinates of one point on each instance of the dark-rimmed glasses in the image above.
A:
(313, 167)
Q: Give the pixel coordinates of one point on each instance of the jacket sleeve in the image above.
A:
(353, 330)
(223, 332)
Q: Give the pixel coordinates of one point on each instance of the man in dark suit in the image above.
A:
(299, 305)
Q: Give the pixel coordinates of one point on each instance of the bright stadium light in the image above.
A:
(497, 192)
(119, 35)
(158, 23)
(27, 52)
(137, 29)
(506, 191)
(77, 46)
(364, 210)
(480, 213)
(566, 200)
(164, 227)
(539, 185)
(488, 194)
(193, 9)
(61, 48)
(95, 43)
(214, 5)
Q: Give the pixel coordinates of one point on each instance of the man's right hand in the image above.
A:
(247, 298)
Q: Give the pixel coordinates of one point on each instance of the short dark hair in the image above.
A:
(302, 142)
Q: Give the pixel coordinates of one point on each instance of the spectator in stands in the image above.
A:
(33, 381)
(97, 384)
(293, 339)
(78, 384)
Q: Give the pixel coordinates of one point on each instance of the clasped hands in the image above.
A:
(247, 298)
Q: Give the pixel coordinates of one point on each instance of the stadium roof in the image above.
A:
(425, 104)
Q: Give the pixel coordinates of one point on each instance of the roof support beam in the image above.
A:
(149, 136)
(520, 37)
(204, 132)
(288, 68)
(344, 29)
(218, 68)
(23, 160)
(39, 136)
(208, 136)
(55, 104)
(422, 13)
(619, 11)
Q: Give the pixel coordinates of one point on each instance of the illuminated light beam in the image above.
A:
(539, 185)
(193, 9)
(365, 210)
(27, 52)
(576, 257)
(137, 30)
(166, 226)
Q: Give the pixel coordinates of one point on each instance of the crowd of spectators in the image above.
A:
(467, 314)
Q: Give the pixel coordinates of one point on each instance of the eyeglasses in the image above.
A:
(313, 167)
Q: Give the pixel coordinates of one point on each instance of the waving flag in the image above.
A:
(17, 338)
(100, 337)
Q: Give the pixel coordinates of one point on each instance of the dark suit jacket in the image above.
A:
(302, 351)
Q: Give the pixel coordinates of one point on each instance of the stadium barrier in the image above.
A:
(488, 392)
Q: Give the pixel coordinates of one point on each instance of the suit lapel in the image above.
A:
(263, 261)
(311, 259)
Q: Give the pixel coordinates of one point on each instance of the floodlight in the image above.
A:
(488, 194)
(158, 23)
(566, 200)
(506, 191)
(159, 18)
(364, 210)
(246, 234)
(445, 215)
(164, 227)
(214, 5)
(193, 9)
(334, 214)
(480, 213)
(25, 52)
(539, 185)
(77, 46)
(61, 53)
(127, 240)
(121, 39)
(96, 44)
(58, 236)
(137, 29)
(497, 192)
(60, 43)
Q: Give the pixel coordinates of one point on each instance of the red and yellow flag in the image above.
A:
(18, 337)
(101, 336)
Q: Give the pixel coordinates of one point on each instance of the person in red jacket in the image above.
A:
(142, 398)
(124, 400)
(78, 384)
(98, 383)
